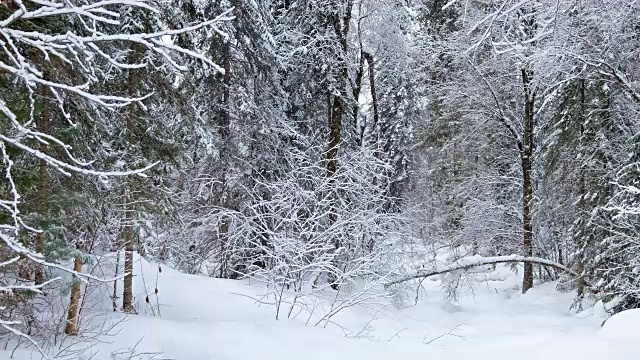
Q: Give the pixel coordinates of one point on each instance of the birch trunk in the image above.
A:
(71, 328)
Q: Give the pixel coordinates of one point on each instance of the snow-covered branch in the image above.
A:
(475, 261)
(58, 67)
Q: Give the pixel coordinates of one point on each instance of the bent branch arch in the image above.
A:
(481, 262)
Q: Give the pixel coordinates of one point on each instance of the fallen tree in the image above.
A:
(474, 261)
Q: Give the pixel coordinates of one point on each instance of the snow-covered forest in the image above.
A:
(394, 178)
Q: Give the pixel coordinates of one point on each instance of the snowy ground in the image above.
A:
(205, 318)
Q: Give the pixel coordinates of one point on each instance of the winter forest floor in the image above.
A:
(205, 318)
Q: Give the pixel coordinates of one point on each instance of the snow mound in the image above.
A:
(623, 325)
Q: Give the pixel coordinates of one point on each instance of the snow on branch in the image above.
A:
(33, 55)
(101, 38)
(475, 261)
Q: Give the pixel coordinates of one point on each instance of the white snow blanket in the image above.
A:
(202, 318)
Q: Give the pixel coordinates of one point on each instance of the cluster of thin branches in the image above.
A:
(93, 42)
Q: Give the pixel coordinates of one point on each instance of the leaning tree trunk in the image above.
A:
(526, 155)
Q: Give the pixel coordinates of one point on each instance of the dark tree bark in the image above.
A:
(224, 132)
(526, 157)
(357, 88)
(337, 104)
(583, 191)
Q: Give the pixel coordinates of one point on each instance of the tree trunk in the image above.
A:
(337, 104)
(224, 132)
(226, 93)
(336, 110)
(527, 281)
(582, 206)
(374, 98)
(335, 127)
(128, 235)
(71, 328)
(357, 87)
(44, 181)
(526, 154)
(128, 238)
(114, 298)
